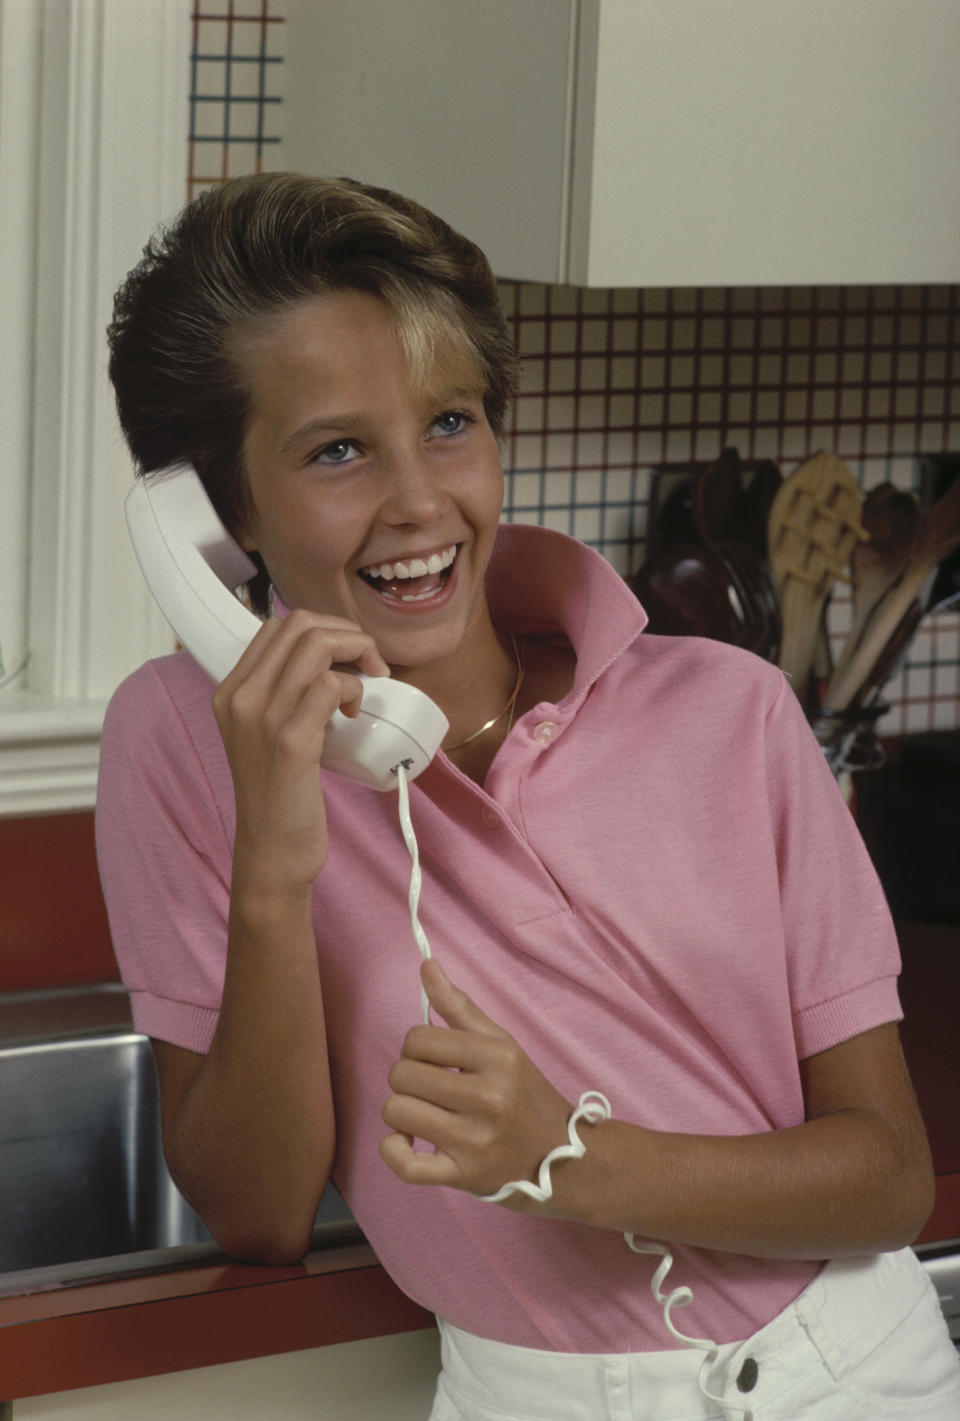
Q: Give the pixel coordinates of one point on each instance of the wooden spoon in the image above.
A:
(750, 515)
(715, 495)
(892, 518)
(814, 527)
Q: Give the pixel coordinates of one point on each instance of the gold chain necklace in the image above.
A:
(510, 706)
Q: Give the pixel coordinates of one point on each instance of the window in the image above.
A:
(93, 124)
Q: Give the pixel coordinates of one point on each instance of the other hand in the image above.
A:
(470, 1091)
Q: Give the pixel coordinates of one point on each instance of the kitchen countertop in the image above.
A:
(111, 1329)
(64, 1011)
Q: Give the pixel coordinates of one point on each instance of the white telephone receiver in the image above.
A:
(192, 566)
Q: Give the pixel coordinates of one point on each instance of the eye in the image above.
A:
(452, 422)
(341, 451)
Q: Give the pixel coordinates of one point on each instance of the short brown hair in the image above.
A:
(247, 250)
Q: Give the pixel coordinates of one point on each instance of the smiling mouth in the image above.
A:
(412, 579)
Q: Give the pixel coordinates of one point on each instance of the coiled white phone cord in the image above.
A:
(592, 1107)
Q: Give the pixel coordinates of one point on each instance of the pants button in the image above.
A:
(749, 1374)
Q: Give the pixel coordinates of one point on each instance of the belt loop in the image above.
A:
(808, 1308)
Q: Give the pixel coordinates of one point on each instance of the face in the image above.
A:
(373, 498)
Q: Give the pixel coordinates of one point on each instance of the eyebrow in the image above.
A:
(338, 426)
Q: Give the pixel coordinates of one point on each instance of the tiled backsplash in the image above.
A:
(617, 383)
(234, 88)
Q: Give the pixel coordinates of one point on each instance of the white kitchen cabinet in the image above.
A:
(649, 142)
(379, 1379)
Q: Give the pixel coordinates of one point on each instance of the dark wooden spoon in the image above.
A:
(892, 519)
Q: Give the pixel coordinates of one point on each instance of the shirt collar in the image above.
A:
(545, 583)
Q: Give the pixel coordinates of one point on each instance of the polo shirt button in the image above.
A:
(490, 817)
(749, 1375)
(546, 731)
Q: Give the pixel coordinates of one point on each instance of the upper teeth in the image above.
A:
(416, 567)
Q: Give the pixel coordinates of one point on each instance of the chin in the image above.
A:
(416, 651)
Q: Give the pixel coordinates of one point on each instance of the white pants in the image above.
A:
(866, 1340)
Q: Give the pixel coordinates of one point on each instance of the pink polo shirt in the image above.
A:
(658, 891)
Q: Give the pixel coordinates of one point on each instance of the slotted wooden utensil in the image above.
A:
(814, 527)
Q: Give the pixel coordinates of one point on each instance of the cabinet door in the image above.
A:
(461, 104)
(768, 142)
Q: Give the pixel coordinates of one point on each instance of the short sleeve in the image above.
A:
(164, 854)
(843, 956)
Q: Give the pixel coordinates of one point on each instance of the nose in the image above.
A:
(413, 491)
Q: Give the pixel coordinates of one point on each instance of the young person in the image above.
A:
(638, 876)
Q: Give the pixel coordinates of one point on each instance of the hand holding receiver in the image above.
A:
(192, 564)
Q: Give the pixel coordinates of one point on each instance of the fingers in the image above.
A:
(452, 1086)
(313, 644)
(294, 674)
(460, 1139)
(457, 1071)
(417, 1166)
(272, 711)
(453, 1005)
(469, 1091)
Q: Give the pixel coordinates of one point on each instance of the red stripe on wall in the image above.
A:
(53, 929)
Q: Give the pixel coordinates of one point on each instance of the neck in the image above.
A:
(507, 710)
(472, 686)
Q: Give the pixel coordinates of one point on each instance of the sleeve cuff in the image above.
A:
(180, 1023)
(826, 1024)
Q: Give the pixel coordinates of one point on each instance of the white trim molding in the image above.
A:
(107, 88)
(49, 754)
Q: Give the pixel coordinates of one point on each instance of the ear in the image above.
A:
(245, 529)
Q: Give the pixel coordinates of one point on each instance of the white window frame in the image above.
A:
(93, 154)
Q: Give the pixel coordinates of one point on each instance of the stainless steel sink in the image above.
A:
(82, 1175)
(81, 1169)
